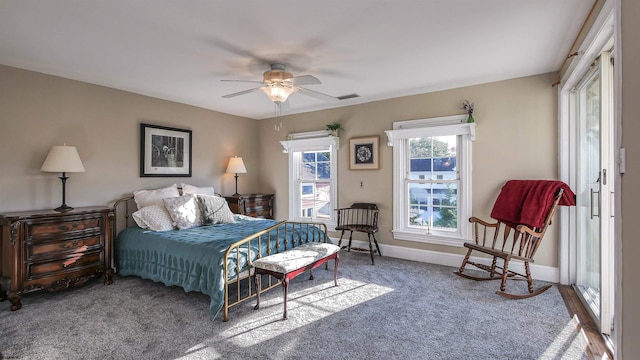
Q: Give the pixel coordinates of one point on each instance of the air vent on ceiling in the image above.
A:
(350, 96)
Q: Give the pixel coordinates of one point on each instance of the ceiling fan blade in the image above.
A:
(241, 93)
(305, 80)
(246, 81)
(317, 95)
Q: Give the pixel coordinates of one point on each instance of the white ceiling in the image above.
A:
(180, 50)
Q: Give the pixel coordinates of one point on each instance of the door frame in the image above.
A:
(603, 29)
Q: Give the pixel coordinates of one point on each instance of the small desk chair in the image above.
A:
(361, 217)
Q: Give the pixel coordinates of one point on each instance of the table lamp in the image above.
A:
(63, 159)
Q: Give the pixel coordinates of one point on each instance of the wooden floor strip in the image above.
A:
(596, 348)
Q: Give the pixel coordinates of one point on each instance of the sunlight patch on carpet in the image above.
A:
(304, 307)
(569, 338)
(201, 351)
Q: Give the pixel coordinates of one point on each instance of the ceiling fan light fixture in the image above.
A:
(276, 75)
(277, 92)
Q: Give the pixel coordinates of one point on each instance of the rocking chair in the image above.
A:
(361, 217)
(523, 212)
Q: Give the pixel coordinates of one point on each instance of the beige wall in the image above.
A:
(516, 139)
(629, 293)
(38, 111)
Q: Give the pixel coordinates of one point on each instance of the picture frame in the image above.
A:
(164, 151)
(364, 153)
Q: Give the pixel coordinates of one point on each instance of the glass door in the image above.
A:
(594, 278)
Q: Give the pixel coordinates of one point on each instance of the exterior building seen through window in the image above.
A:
(313, 180)
(432, 179)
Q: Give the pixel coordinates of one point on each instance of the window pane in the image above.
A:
(309, 171)
(420, 198)
(324, 156)
(324, 170)
(446, 215)
(323, 200)
(433, 205)
(433, 158)
(309, 156)
(315, 200)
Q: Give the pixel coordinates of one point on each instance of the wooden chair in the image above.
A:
(510, 240)
(360, 217)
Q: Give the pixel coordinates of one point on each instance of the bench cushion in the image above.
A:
(296, 258)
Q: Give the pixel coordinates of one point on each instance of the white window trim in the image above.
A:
(305, 142)
(446, 125)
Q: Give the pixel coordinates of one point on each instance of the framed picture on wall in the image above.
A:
(164, 151)
(364, 153)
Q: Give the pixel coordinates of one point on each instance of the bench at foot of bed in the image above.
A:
(293, 262)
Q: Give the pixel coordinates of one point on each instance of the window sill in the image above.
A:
(429, 238)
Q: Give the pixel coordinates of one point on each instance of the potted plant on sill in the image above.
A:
(334, 127)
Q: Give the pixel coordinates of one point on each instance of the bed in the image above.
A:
(212, 259)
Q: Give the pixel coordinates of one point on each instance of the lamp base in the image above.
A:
(63, 208)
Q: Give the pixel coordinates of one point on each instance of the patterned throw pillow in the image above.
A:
(154, 217)
(214, 210)
(184, 211)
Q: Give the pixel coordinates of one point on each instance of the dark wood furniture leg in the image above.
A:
(14, 298)
(370, 248)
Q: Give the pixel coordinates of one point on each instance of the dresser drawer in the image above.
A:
(57, 249)
(46, 230)
(258, 212)
(252, 203)
(69, 264)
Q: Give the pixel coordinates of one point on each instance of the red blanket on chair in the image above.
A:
(528, 202)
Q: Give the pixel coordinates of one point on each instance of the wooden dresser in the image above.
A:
(45, 249)
(254, 205)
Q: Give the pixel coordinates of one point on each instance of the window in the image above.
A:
(432, 179)
(312, 177)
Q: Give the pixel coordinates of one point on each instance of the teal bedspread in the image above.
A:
(192, 258)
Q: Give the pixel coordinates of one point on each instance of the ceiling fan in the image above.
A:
(278, 84)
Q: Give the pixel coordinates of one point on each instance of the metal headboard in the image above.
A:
(122, 209)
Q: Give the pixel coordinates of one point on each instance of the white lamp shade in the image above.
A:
(236, 165)
(63, 159)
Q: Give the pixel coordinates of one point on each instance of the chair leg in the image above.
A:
(340, 241)
(529, 279)
(376, 242)
(464, 261)
(350, 238)
(503, 284)
(370, 248)
(285, 287)
(494, 263)
(335, 269)
(256, 280)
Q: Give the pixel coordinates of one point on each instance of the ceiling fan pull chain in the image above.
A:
(278, 125)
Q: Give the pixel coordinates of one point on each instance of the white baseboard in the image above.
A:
(538, 272)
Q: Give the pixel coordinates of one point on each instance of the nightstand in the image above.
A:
(45, 249)
(254, 205)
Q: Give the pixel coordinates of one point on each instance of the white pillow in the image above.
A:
(184, 211)
(154, 217)
(197, 190)
(214, 210)
(146, 198)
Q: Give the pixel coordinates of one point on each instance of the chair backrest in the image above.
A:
(370, 206)
(358, 215)
(519, 240)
